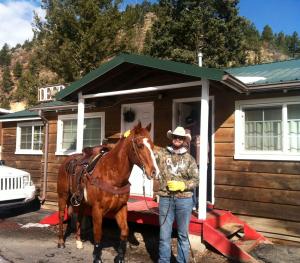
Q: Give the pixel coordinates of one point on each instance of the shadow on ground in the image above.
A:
(11, 211)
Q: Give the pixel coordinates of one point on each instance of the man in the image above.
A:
(178, 178)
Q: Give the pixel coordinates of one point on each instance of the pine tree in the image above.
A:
(280, 41)
(5, 56)
(77, 35)
(252, 40)
(4, 102)
(7, 84)
(267, 34)
(294, 44)
(18, 69)
(27, 88)
(210, 26)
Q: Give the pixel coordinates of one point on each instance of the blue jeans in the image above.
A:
(171, 208)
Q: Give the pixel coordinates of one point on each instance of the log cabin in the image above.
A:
(248, 118)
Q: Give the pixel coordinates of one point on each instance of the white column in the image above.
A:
(80, 122)
(203, 149)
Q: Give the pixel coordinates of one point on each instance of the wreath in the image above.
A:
(129, 115)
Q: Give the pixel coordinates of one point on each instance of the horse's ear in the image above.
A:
(148, 127)
(138, 126)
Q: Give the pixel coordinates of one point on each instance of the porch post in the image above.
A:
(203, 149)
(80, 123)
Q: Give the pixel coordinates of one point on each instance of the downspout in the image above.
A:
(46, 123)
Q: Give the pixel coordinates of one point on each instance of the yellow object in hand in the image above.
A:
(176, 186)
(126, 134)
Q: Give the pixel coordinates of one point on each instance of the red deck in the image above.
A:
(138, 212)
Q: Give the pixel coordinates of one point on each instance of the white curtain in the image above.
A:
(263, 135)
(294, 135)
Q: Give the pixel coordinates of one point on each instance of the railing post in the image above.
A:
(203, 149)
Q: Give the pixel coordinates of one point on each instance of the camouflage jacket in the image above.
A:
(177, 166)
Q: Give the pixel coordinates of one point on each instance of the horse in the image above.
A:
(106, 188)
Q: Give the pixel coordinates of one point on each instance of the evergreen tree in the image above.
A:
(77, 35)
(7, 84)
(267, 34)
(280, 41)
(18, 69)
(4, 102)
(27, 88)
(294, 44)
(210, 26)
(252, 40)
(5, 56)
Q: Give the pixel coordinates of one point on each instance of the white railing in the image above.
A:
(48, 93)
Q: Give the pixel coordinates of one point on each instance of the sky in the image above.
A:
(16, 17)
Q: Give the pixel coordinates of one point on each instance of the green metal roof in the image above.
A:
(32, 113)
(171, 66)
(269, 73)
(19, 115)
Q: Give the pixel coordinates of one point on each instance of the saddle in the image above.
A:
(82, 164)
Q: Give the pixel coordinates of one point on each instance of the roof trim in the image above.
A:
(234, 83)
(167, 65)
(20, 119)
(53, 107)
(274, 86)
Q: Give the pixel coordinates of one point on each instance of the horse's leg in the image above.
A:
(121, 218)
(97, 214)
(79, 244)
(62, 202)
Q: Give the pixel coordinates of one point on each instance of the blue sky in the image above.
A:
(281, 15)
(16, 17)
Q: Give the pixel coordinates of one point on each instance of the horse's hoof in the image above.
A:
(61, 245)
(79, 244)
(98, 261)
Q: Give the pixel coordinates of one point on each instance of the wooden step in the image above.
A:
(246, 245)
(231, 229)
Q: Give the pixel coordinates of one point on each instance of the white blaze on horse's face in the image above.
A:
(147, 144)
(85, 194)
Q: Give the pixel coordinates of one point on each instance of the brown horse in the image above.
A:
(106, 189)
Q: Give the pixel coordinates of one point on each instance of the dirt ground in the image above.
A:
(22, 242)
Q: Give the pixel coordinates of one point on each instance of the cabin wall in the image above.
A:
(266, 193)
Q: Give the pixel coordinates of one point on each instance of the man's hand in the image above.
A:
(176, 186)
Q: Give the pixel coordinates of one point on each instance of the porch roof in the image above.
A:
(191, 71)
(23, 114)
(33, 114)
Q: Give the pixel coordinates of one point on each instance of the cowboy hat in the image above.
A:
(179, 131)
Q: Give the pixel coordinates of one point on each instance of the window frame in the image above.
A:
(61, 118)
(239, 129)
(18, 138)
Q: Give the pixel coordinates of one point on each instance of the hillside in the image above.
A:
(47, 77)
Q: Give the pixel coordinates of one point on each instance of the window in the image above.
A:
(30, 138)
(268, 129)
(93, 132)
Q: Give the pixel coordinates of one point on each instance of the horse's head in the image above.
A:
(142, 147)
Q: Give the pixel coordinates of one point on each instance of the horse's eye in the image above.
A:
(140, 145)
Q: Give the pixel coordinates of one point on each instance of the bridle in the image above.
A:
(136, 152)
